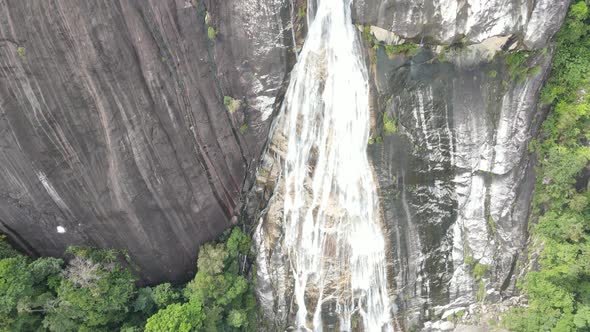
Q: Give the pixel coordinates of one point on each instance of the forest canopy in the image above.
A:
(96, 291)
(558, 290)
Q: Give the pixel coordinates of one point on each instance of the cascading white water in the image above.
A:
(332, 230)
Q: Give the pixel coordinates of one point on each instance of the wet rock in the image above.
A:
(456, 179)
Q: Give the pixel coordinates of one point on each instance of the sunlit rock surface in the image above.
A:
(446, 21)
(113, 131)
(456, 180)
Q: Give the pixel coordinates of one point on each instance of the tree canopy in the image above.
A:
(559, 290)
(94, 291)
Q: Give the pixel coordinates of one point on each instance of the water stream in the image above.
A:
(335, 241)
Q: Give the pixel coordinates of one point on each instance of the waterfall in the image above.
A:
(334, 239)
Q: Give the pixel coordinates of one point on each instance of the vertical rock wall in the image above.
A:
(113, 131)
(456, 179)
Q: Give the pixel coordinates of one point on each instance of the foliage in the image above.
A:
(243, 128)
(231, 103)
(518, 65)
(571, 63)
(94, 292)
(559, 292)
(389, 124)
(301, 11)
(492, 226)
(21, 52)
(227, 297)
(456, 315)
(94, 295)
(211, 33)
(368, 36)
(409, 49)
(6, 251)
(25, 291)
(177, 317)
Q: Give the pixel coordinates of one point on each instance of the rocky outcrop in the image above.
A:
(456, 179)
(446, 21)
(113, 129)
(114, 133)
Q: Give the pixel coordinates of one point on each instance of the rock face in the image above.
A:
(445, 21)
(113, 129)
(456, 179)
(113, 133)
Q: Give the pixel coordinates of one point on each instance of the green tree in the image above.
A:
(6, 250)
(559, 291)
(150, 299)
(177, 317)
(219, 298)
(24, 291)
(94, 294)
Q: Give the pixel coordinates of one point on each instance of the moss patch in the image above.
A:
(211, 33)
(20, 51)
(389, 125)
(231, 104)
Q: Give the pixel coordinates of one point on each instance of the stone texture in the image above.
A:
(112, 125)
(476, 20)
(456, 180)
(113, 133)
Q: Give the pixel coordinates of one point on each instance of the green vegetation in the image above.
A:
(456, 316)
(518, 67)
(377, 140)
(478, 271)
(231, 104)
(95, 292)
(21, 52)
(243, 128)
(459, 43)
(559, 292)
(211, 33)
(492, 73)
(302, 11)
(409, 49)
(389, 124)
(368, 36)
(492, 226)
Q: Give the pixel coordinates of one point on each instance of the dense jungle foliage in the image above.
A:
(558, 288)
(95, 291)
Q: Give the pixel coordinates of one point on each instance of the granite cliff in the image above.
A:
(114, 133)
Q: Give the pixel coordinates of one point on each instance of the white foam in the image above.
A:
(331, 225)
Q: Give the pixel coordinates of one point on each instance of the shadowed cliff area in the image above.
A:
(113, 129)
